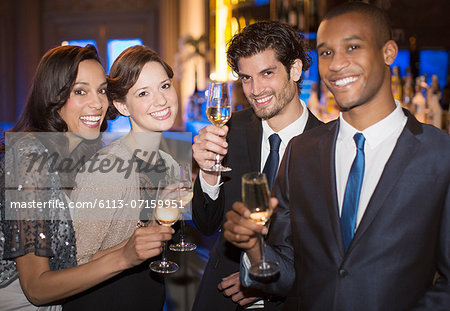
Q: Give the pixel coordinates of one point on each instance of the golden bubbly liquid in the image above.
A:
(256, 196)
(259, 218)
(167, 216)
(218, 115)
(167, 223)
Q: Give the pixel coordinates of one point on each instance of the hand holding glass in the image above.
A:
(167, 212)
(218, 111)
(256, 197)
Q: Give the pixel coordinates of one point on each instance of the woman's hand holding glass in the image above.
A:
(145, 243)
(166, 213)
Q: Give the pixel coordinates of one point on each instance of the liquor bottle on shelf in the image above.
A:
(301, 15)
(192, 105)
(408, 91)
(434, 107)
(446, 94)
(446, 104)
(292, 13)
(313, 14)
(313, 101)
(323, 101)
(330, 110)
(396, 85)
(283, 11)
(435, 88)
(423, 85)
(196, 103)
(419, 101)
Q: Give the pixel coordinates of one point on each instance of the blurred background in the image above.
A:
(191, 35)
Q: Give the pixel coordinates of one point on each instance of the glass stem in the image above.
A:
(182, 232)
(164, 254)
(217, 159)
(262, 246)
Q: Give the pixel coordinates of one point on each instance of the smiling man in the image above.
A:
(269, 58)
(363, 215)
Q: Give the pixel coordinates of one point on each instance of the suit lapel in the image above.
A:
(312, 121)
(327, 149)
(407, 145)
(254, 137)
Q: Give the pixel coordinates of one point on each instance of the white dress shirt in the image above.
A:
(295, 128)
(381, 139)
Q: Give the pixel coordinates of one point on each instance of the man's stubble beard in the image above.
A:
(281, 101)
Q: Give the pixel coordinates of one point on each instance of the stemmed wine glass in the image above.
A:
(167, 212)
(186, 194)
(218, 111)
(256, 197)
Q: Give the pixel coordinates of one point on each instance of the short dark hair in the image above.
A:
(52, 84)
(379, 18)
(287, 43)
(126, 70)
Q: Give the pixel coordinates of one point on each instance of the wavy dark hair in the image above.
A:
(126, 70)
(52, 84)
(288, 43)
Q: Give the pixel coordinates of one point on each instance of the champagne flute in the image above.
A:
(256, 197)
(167, 212)
(186, 194)
(218, 111)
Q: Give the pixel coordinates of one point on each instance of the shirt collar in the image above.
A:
(377, 132)
(295, 128)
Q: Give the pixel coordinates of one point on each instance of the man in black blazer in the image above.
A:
(269, 58)
(396, 255)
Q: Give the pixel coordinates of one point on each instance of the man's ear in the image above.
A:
(296, 70)
(121, 107)
(390, 50)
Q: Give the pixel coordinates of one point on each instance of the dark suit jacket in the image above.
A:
(244, 155)
(402, 241)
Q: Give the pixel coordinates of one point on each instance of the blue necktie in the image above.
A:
(271, 166)
(352, 192)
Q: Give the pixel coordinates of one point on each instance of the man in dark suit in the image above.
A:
(269, 58)
(363, 215)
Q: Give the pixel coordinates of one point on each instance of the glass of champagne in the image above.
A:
(218, 111)
(256, 197)
(186, 194)
(167, 212)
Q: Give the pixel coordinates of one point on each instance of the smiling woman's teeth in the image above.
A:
(345, 81)
(160, 113)
(90, 120)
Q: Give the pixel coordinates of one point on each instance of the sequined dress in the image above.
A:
(51, 237)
